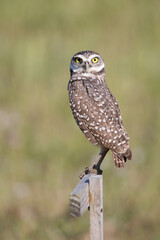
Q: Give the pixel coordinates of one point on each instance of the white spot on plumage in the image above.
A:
(92, 123)
(87, 119)
(82, 116)
(100, 105)
(96, 99)
(101, 110)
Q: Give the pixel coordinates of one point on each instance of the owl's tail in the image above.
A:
(121, 158)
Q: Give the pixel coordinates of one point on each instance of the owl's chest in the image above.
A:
(84, 91)
(84, 100)
(78, 96)
(77, 91)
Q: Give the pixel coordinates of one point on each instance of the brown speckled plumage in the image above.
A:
(95, 109)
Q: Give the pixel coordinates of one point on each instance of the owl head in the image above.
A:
(87, 62)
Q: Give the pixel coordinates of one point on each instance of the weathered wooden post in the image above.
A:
(89, 194)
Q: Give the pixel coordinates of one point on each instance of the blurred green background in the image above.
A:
(42, 151)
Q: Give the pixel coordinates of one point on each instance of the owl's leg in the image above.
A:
(94, 167)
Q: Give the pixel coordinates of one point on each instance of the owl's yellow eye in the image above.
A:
(78, 60)
(95, 59)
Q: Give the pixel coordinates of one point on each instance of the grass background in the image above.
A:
(42, 150)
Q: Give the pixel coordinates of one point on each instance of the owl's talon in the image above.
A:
(86, 170)
(99, 171)
(83, 173)
(89, 170)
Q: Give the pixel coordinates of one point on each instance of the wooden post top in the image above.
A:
(79, 197)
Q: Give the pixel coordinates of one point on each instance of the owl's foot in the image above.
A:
(94, 169)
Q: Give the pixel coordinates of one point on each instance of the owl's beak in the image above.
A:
(86, 66)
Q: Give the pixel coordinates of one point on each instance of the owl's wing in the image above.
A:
(117, 138)
(85, 129)
(108, 126)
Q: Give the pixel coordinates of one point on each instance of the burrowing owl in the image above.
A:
(96, 110)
